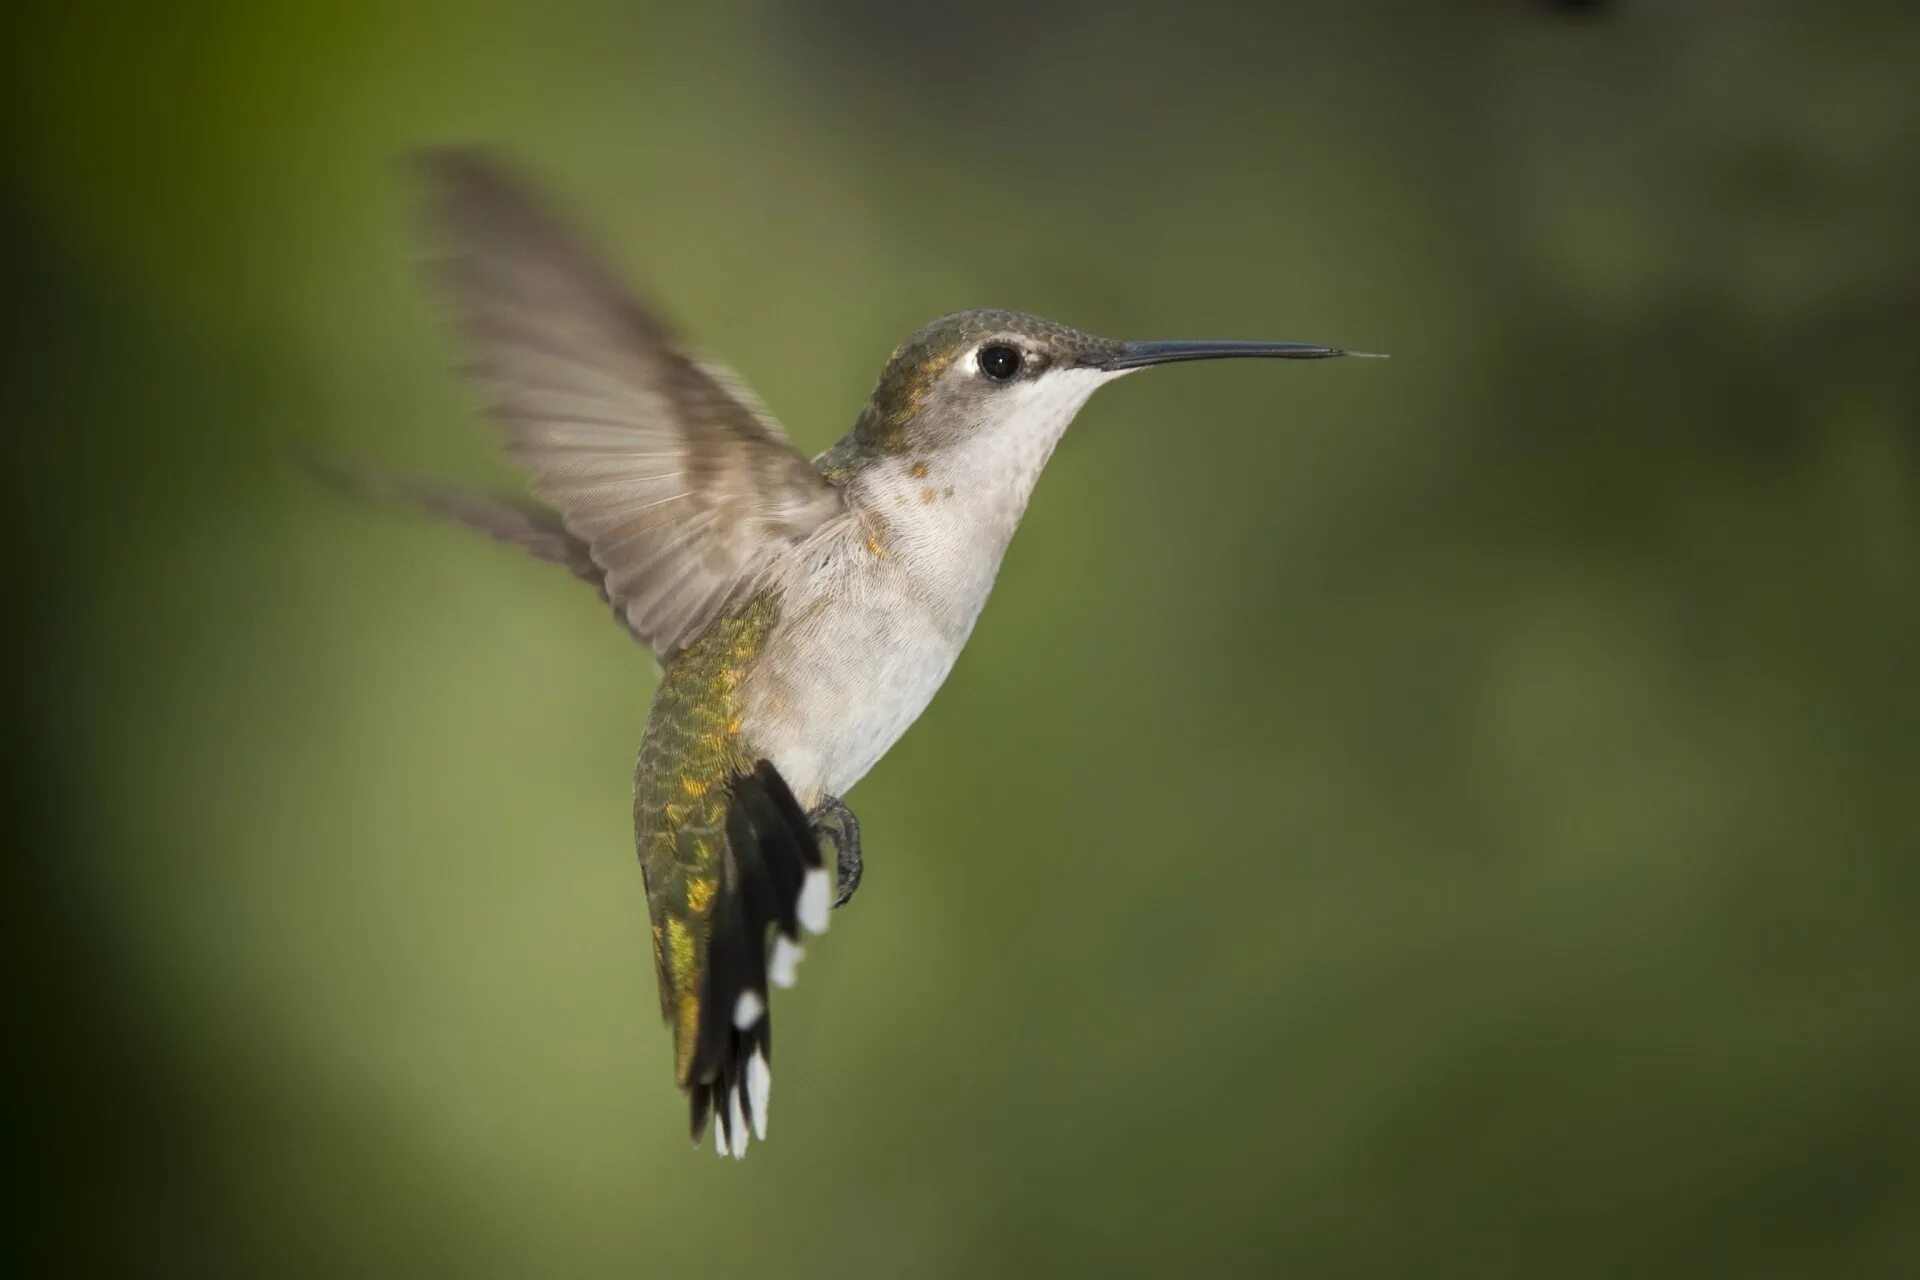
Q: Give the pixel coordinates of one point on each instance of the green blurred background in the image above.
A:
(1451, 816)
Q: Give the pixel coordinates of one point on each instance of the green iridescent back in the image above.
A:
(690, 753)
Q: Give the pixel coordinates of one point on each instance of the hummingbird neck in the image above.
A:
(946, 513)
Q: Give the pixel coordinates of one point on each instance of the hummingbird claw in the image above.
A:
(834, 824)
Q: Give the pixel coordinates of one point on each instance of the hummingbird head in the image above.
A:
(967, 413)
(980, 376)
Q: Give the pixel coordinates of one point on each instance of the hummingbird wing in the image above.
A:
(517, 522)
(679, 483)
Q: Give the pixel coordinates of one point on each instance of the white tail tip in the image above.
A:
(759, 1086)
(816, 900)
(785, 959)
(738, 1121)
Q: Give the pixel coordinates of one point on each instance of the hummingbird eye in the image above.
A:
(999, 362)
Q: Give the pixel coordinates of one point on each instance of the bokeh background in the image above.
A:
(1459, 815)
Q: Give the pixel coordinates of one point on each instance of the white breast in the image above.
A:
(876, 607)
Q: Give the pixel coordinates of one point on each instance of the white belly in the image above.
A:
(833, 693)
(873, 615)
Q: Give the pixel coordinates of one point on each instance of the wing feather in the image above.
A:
(680, 483)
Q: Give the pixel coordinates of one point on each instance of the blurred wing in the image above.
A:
(678, 482)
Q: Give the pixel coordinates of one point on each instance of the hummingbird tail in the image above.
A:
(772, 883)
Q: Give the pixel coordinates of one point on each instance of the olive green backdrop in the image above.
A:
(1455, 815)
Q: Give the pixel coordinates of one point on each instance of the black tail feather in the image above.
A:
(771, 849)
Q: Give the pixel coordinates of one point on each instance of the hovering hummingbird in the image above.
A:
(803, 613)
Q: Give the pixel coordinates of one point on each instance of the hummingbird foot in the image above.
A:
(834, 824)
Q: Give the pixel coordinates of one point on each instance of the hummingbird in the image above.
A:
(802, 612)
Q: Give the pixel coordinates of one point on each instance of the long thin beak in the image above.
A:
(1138, 355)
